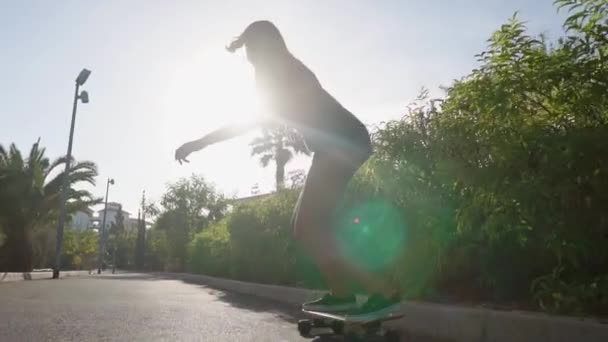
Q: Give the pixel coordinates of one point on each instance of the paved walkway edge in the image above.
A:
(19, 276)
(439, 322)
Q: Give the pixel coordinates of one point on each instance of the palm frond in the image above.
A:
(57, 162)
(85, 164)
(85, 171)
(265, 159)
(15, 159)
(3, 155)
(262, 149)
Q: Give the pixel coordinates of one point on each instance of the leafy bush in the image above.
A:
(254, 243)
(190, 206)
(209, 251)
(504, 188)
(80, 248)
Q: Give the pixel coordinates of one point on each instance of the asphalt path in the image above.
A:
(137, 307)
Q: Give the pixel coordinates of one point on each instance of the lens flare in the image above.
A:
(371, 235)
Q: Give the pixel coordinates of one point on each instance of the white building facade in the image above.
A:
(82, 219)
(85, 219)
(111, 213)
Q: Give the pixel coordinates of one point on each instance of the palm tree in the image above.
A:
(280, 145)
(30, 194)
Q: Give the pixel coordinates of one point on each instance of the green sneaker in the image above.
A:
(376, 307)
(331, 304)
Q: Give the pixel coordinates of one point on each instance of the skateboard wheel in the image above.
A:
(392, 336)
(304, 327)
(317, 322)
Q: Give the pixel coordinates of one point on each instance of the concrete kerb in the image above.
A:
(21, 276)
(438, 322)
(283, 294)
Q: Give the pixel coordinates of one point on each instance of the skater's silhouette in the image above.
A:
(341, 144)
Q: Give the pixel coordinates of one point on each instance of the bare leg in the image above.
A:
(325, 185)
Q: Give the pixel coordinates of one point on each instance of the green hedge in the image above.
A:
(254, 243)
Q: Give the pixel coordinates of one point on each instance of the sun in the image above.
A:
(205, 91)
(213, 88)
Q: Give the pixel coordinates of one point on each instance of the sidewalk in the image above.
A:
(17, 276)
(445, 323)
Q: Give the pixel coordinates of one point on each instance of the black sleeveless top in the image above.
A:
(296, 98)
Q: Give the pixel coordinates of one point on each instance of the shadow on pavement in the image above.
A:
(283, 311)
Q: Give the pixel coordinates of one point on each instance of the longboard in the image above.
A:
(340, 325)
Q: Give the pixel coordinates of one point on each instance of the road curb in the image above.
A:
(6, 277)
(438, 322)
(283, 294)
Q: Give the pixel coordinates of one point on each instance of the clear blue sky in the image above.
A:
(161, 75)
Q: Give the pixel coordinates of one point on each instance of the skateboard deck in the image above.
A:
(338, 324)
(344, 317)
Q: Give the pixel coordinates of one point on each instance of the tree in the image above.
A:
(190, 205)
(147, 208)
(117, 231)
(279, 144)
(30, 196)
(80, 248)
(297, 178)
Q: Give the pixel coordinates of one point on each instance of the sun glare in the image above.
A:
(211, 89)
(206, 91)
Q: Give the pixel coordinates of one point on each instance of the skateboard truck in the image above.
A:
(327, 324)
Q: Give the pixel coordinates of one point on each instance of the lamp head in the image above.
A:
(83, 76)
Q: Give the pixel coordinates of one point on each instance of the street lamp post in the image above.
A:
(102, 229)
(84, 97)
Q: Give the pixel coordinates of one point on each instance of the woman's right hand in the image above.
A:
(184, 151)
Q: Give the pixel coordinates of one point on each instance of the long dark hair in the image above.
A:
(260, 36)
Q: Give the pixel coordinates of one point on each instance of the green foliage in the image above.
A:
(254, 243)
(80, 248)
(157, 255)
(504, 188)
(29, 199)
(404, 173)
(116, 235)
(209, 251)
(190, 206)
(118, 226)
(260, 235)
(125, 250)
(525, 137)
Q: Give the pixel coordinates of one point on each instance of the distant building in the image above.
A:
(82, 219)
(85, 219)
(131, 225)
(111, 213)
(251, 198)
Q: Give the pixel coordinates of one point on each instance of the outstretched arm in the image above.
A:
(221, 134)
